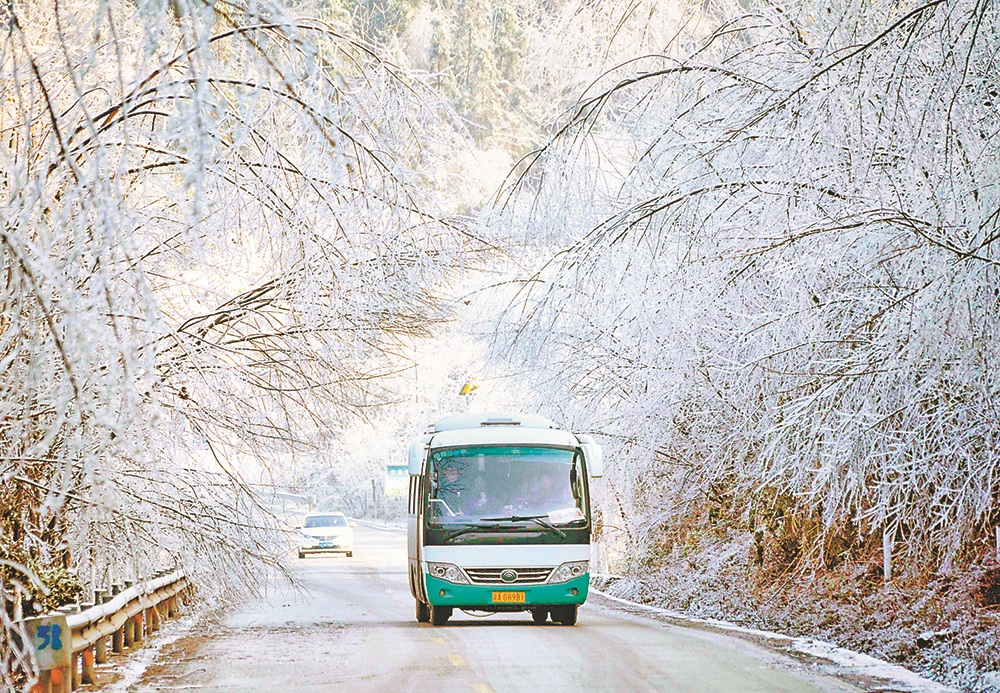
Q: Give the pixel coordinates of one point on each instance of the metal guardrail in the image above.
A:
(68, 643)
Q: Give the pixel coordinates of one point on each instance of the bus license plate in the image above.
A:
(508, 597)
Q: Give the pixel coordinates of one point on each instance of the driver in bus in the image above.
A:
(450, 488)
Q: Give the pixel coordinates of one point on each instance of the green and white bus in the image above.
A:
(499, 517)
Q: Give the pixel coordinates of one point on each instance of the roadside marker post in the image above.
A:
(52, 642)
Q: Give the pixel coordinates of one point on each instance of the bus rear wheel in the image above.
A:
(539, 615)
(423, 612)
(566, 615)
(440, 614)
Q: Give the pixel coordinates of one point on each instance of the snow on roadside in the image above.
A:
(847, 662)
(384, 525)
(136, 664)
(869, 666)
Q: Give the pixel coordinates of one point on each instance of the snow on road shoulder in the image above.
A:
(136, 664)
(862, 664)
(843, 662)
(383, 525)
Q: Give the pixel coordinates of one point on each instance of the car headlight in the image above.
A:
(568, 571)
(447, 571)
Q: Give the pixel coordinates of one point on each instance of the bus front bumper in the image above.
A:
(505, 597)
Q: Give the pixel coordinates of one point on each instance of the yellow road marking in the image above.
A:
(437, 640)
(481, 688)
(457, 660)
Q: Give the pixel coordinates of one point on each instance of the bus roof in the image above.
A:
(503, 435)
(503, 419)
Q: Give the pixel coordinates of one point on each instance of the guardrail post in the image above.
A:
(52, 681)
(101, 647)
(101, 651)
(128, 633)
(62, 680)
(70, 675)
(118, 640)
(118, 637)
(138, 620)
(87, 676)
(155, 620)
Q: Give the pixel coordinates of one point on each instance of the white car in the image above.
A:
(326, 533)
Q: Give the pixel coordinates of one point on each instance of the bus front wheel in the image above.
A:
(440, 614)
(423, 612)
(539, 615)
(566, 615)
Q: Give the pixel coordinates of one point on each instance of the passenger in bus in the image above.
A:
(547, 493)
(480, 499)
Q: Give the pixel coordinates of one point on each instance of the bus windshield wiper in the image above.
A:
(475, 527)
(529, 518)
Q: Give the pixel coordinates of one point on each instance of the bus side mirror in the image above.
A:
(418, 451)
(592, 454)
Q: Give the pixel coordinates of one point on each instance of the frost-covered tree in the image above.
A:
(474, 52)
(779, 278)
(212, 237)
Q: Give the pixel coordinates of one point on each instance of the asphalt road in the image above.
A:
(355, 630)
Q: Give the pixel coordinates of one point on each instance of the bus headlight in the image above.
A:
(568, 571)
(447, 571)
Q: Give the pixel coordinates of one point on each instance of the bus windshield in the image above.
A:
(505, 483)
